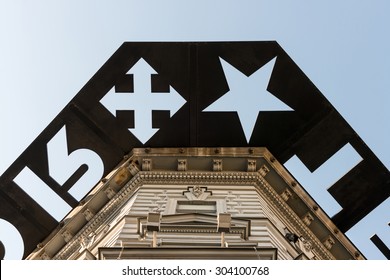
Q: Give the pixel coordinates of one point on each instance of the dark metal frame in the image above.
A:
(314, 131)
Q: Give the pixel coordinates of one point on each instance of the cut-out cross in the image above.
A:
(143, 101)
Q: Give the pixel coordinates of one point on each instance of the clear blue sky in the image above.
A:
(50, 49)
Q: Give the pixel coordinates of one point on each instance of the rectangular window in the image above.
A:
(196, 206)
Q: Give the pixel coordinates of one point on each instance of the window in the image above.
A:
(196, 206)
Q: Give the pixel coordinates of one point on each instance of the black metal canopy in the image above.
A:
(313, 130)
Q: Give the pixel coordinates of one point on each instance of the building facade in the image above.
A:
(197, 203)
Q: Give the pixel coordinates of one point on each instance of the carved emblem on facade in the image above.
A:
(87, 241)
(197, 193)
(306, 247)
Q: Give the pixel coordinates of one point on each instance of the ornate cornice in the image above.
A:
(243, 178)
(188, 178)
(289, 217)
(182, 174)
(116, 202)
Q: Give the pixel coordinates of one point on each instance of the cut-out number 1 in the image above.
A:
(61, 167)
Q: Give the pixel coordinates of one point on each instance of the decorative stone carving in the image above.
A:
(67, 236)
(286, 194)
(251, 165)
(146, 164)
(306, 247)
(45, 256)
(307, 219)
(88, 214)
(228, 178)
(217, 164)
(263, 170)
(329, 242)
(197, 193)
(87, 241)
(182, 165)
(133, 168)
(122, 176)
(100, 234)
(110, 193)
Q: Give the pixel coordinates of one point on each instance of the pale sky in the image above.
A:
(50, 49)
